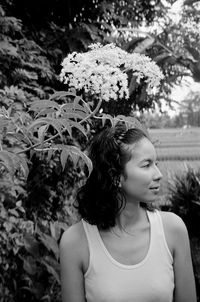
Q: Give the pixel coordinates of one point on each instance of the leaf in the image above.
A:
(144, 45)
(48, 121)
(51, 271)
(19, 203)
(60, 94)
(105, 117)
(162, 57)
(30, 265)
(63, 158)
(8, 49)
(49, 155)
(71, 107)
(193, 52)
(6, 158)
(44, 104)
(4, 122)
(47, 111)
(76, 153)
(50, 243)
(84, 106)
(79, 127)
(41, 132)
(132, 122)
(13, 212)
(55, 230)
(31, 245)
(24, 166)
(66, 124)
(133, 84)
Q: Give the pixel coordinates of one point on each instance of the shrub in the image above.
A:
(185, 199)
(185, 202)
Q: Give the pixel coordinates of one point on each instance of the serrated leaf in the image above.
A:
(84, 106)
(45, 112)
(48, 121)
(50, 243)
(7, 160)
(4, 122)
(76, 153)
(43, 104)
(63, 158)
(49, 154)
(24, 166)
(51, 271)
(31, 245)
(59, 94)
(79, 127)
(41, 132)
(66, 124)
(69, 107)
(107, 117)
(132, 122)
(29, 265)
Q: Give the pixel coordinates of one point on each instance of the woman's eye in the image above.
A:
(146, 165)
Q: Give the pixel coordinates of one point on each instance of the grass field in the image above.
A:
(177, 149)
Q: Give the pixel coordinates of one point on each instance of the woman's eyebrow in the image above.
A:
(146, 159)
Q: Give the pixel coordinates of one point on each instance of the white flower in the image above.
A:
(102, 71)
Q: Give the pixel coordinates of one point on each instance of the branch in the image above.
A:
(57, 134)
(149, 36)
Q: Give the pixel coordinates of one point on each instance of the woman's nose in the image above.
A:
(158, 175)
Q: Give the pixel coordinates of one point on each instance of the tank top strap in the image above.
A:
(160, 233)
(90, 231)
(93, 243)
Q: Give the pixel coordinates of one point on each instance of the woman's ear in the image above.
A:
(121, 180)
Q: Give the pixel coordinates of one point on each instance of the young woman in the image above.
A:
(124, 249)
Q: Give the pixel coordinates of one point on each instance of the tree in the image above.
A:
(190, 107)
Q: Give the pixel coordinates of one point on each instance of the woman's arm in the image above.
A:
(72, 280)
(184, 276)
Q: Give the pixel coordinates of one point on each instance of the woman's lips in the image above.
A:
(155, 189)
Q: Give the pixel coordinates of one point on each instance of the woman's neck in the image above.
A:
(130, 217)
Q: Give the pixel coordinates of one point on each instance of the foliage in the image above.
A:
(23, 62)
(185, 202)
(185, 199)
(44, 129)
(29, 254)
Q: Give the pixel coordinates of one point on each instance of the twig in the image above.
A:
(149, 36)
(1, 148)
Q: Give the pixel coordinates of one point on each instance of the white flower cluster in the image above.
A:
(102, 71)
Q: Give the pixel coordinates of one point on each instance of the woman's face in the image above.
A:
(141, 179)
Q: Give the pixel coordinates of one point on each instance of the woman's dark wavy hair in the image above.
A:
(100, 200)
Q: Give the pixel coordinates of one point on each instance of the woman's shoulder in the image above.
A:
(172, 221)
(73, 235)
(73, 242)
(174, 228)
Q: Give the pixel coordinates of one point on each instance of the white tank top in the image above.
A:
(151, 280)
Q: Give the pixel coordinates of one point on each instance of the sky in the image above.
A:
(180, 92)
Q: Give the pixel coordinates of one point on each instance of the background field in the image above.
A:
(177, 149)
